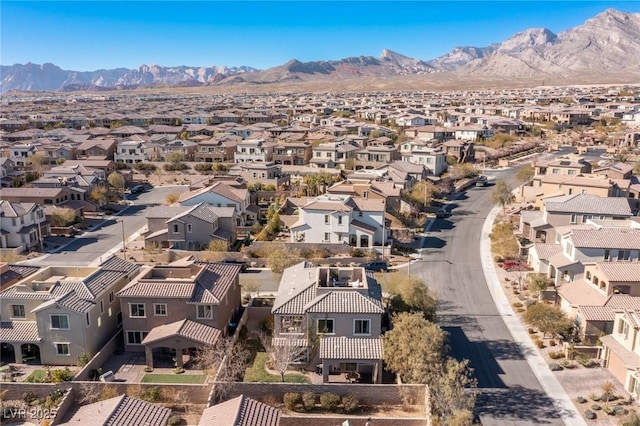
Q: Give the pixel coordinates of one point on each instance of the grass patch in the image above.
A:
(37, 376)
(194, 379)
(258, 372)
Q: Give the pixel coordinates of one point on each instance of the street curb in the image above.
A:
(550, 384)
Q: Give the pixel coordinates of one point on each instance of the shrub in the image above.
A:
(202, 167)
(531, 331)
(178, 370)
(83, 359)
(308, 401)
(151, 394)
(266, 325)
(61, 375)
(556, 355)
(540, 344)
(552, 342)
(329, 401)
(148, 369)
(581, 400)
(498, 259)
(174, 420)
(350, 403)
(29, 397)
(594, 397)
(518, 305)
(145, 167)
(291, 400)
(590, 415)
(356, 252)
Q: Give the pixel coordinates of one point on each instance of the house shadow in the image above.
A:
(519, 405)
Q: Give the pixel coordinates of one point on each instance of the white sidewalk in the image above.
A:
(548, 381)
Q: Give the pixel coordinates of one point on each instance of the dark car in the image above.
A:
(138, 189)
(441, 213)
(377, 266)
(242, 263)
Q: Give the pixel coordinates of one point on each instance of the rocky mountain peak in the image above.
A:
(531, 38)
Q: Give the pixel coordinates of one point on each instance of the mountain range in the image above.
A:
(604, 47)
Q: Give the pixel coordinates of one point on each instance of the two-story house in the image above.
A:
(172, 310)
(222, 194)
(420, 152)
(292, 153)
(335, 315)
(329, 155)
(23, 225)
(338, 218)
(254, 150)
(9, 175)
(621, 349)
(190, 227)
(218, 149)
(60, 312)
(132, 152)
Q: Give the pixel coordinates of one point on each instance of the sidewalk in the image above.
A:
(547, 379)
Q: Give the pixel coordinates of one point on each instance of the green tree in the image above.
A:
(414, 348)
(98, 195)
(422, 194)
(525, 174)
(116, 181)
(451, 403)
(280, 258)
(408, 294)
(501, 194)
(538, 283)
(60, 160)
(62, 217)
(548, 319)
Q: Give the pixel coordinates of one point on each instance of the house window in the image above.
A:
(189, 228)
(160, 309)
(623, 328)
(362, 326)
(586, 217)
(119, 319)
(18, 311)
(87, 318)
(137, 310)
(326, 219)
(101, 307)
(327, 236)
(339, 220)
(624, 254)
(607, 254)
(574, 218)
(60, 322)
(365, 194)
(325, 326)
(136, 337)
(62, 349)
(204, 311)
(175, 228)
(111, 298)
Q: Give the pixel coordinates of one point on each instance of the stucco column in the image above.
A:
(17, 352)
(325, 371)
(376, 373)
(178, 357)
(148, 352)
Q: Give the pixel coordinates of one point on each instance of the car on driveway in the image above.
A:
(441, 213)
(515, 265)
(138, 189)
(377, 266)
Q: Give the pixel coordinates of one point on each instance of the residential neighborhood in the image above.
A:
(191, 259)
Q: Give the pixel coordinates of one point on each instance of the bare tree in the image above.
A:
(228, 359)
(283, 351)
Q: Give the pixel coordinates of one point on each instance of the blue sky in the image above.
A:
(90, 35)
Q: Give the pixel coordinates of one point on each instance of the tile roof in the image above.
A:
(629, 359)
(164, 289)
(559, 260)
(607, 238)
(200, 211)
(596, 313)
(349, 348)
(240, 411)
(620, 271)
(195, 331)
(589, 204)
(19, 331)
(545, 251)
(623, 301)
(121, 410)
(363, 226)
(580, 292)
(342, 301)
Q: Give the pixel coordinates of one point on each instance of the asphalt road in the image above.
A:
(510, 394)
(90, 246)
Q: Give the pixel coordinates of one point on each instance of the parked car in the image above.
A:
(515, 265)
(482, 181)
(138, 189)
(442, 213)
(377, 266)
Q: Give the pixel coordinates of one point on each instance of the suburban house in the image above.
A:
(334, 315)
(292, 153)
(9, 175)
(254, 150)
(374, 155)
(132, 152)
(337, 218)
(96, 148)
(545, 186)
(11, 274)
(175, 309)
(23, 225)
(222, 194)
(218, 149)
(433, 159)
(621, 349)
(190, 227)
(591, 302)
(240, 411)
(563, 166)
(565, 210)
(462, 150)
(370, 187)
(185, 147)
(329, 155)
(60, 312)
(262, 173)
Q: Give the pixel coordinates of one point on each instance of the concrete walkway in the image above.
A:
(547, 379)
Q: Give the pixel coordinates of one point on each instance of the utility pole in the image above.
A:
(124, 244)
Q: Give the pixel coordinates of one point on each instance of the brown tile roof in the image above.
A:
(195, 331)
(240, 411)
(607, 238)
(121, 410)
(351, 348)
(19, 331)
(629, 359)
(596, 313)
(345, 302)
(589, 204)
(545, 251)
(581, 293)
(620, 271)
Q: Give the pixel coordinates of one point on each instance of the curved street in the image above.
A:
(510, 392)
